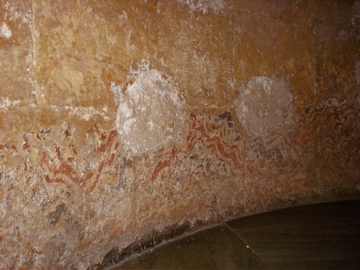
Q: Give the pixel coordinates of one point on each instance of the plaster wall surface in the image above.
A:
(122, 122)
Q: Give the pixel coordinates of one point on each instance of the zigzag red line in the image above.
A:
(209, 142)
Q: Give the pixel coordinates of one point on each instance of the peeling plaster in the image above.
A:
(204, 5)
(264, 105)
(16, 14)
(332, 102)
(5, 31)
(7, 104)
(150, 113)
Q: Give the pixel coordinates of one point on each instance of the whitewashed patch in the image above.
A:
(150, 114)
(333, 102)
(265, 105)
(204, 6)
(5, 31)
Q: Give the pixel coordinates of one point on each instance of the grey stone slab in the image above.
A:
(215, 248)
(322, 236)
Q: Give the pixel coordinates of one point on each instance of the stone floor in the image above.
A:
(321, 236)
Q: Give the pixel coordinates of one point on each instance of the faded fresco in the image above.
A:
(126, 122)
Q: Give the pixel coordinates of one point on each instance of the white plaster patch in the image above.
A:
(85, 113)
(150, 113)
(265, 105)
(7, 104)
(16, 14)
(123, 16)
(204, 5)
(332, 102)
(5, 31)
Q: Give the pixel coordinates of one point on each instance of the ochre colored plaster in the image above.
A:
(125, 122)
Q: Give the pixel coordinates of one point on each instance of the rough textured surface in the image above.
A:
(265, 105)
(123, 119)
(140, 117)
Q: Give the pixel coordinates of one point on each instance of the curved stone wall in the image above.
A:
(125, 122)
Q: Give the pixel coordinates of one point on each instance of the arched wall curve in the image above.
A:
(126, 121)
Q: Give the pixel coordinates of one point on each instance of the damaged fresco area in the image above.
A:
(99, 154)
(77, 197)
(265, 105)
(204, 5)
(142, 106)
(76, 190)
(59, 180)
